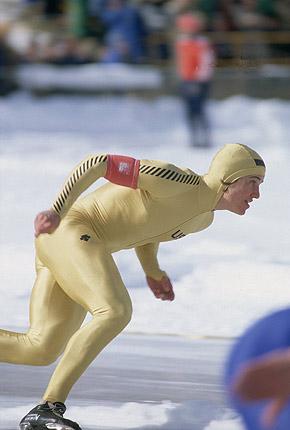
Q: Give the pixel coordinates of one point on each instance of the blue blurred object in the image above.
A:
(116, 49)
(266, 335)
(126, 21)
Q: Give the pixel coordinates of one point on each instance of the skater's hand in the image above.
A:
(161, 289)
(266, 378)
(46, 222)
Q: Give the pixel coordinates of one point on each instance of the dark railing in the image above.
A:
(236, 48)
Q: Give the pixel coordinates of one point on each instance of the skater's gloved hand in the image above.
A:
(46, 222)
(161, 289)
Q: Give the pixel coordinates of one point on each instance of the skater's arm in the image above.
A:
(159, 178)
(157, 279)
(163, 179)
(147, 255)
(84, 174)
(82, 177)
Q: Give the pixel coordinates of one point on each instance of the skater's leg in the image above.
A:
(191, 99)
(54, 317)
(203, 117)
(87, 273)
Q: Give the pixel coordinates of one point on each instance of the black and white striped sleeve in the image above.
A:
(86, 172)
(164, 179)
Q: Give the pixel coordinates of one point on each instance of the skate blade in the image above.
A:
(55, 426)
(48, 426)
(26, 427)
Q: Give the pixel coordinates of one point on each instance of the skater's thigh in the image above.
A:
(53, 314)
(84, 268)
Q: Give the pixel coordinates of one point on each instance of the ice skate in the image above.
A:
(47, 416)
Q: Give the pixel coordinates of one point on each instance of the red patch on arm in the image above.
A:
(122, 170)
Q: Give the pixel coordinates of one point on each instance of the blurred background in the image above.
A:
(250, 38)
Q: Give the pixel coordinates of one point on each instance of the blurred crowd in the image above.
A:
(123, 31)
(189, 37)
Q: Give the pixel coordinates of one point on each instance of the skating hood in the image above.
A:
(232, 162)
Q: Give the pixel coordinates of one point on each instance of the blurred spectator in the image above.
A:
(95, 6)
(257, 15)
(134, 31)
(124, 28)
(217, 13)
(157, 22)
(195, 65)
(95, 26)
(177, 7)
(78, 17)
(60, 51)
(53, 8)
(283, 9)
(218, 16)
(116, 49)
(8, 59)
(48, 8)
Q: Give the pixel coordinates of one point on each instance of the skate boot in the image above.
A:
(47, 416)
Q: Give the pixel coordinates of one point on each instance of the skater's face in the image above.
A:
(240, 194)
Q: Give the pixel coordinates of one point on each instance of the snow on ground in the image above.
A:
(89, 77)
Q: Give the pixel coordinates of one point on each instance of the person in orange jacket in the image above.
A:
(194, 66)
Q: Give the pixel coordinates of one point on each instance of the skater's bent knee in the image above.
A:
(45, 357)
(119, 314)
(124, 314)
(45, 350)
